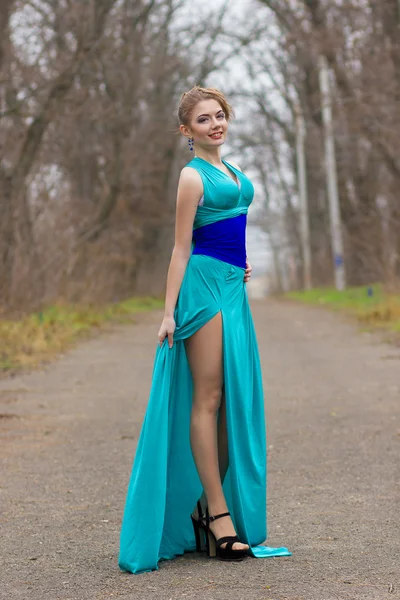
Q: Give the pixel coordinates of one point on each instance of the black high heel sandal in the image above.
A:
(213, 546)
(199, 528)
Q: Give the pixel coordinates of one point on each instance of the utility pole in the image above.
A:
(302, 185)
(330, 163)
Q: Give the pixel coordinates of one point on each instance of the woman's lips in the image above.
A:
(216, 136)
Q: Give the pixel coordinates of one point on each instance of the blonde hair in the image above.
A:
(189, 100)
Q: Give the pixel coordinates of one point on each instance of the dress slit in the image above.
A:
(164, 484)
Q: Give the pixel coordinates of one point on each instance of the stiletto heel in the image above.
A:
(213, 546)
(199, 528)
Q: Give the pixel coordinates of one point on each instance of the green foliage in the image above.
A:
(370, 304)
(40, 336)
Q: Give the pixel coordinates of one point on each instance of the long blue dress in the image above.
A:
(164, 485)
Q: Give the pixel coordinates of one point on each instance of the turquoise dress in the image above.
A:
(164, 485)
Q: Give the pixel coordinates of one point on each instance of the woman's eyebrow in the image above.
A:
(206, 115)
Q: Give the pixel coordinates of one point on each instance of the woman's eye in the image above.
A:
(203, 120)
(221, 116)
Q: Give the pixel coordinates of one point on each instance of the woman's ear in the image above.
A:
(185, 130)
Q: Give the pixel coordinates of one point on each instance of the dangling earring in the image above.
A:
(190, 144)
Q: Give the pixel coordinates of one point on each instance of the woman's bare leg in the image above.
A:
(204, 352)
(222, 441)
(223, 456)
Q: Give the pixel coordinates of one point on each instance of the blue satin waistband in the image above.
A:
(225, 240)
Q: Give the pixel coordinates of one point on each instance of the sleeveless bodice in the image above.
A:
(219, 228)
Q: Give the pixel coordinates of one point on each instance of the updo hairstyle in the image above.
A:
(189, 100)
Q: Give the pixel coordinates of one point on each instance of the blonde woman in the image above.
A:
(199, 475)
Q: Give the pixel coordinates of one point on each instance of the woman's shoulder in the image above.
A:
(190, 178)
(190, 173)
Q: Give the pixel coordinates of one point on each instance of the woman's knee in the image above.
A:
(207, 398)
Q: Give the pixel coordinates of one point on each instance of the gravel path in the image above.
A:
(68, 435)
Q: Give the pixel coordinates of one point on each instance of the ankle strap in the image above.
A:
(227, 514)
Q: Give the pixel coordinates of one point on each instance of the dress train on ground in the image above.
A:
(164, 484)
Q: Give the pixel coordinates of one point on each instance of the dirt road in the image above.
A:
(68, 435)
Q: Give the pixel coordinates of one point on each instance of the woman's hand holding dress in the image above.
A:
(167, 329)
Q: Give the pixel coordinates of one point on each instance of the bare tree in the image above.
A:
(90, 158)
(361, 43)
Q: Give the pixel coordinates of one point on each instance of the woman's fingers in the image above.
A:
(164, 334)
(170, 339)
(161, 336)
(247, 272)
(167, 329)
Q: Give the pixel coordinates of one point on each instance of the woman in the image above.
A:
(204, 432)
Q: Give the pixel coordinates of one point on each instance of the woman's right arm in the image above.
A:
(190, 190)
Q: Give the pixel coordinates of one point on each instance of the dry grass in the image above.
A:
(38, 337)
(386, 314)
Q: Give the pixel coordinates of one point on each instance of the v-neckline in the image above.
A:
(235, 181)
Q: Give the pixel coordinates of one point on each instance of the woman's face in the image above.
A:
(208, 124)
